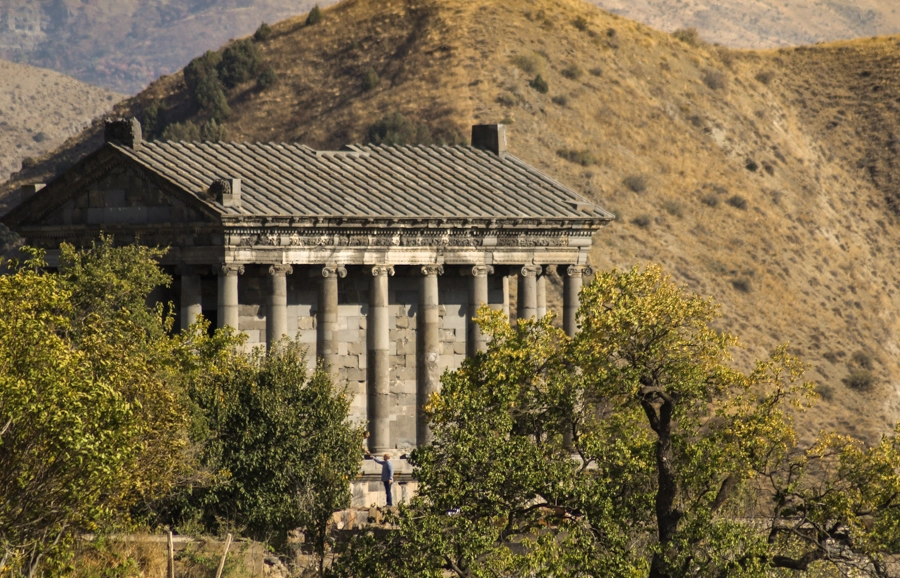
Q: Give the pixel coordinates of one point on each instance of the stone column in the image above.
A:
(378, 374)
(191, 297)
(327, 316)
(276, 316)
(541, 294)
(572, 284)
(478, 296)
(527, 300)
(506, 296)
(228, 312)
(428, 374)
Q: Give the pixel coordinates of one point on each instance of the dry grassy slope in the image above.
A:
(809, 260)
(40, 109)
(765, 23)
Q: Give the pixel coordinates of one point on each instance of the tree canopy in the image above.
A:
(633, 449)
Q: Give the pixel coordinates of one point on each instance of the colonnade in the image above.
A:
(531, 302)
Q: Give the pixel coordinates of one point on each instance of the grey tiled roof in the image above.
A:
(367, 181)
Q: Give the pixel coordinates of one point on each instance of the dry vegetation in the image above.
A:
(767, 180)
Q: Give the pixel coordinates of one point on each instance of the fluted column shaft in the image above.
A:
(191, 298)
(228, 311)
(378, 381)
(327, 316)
(429, 348)
(572, 283)
(527, 300)
(276, 316)
(478, 295)
(541, 295)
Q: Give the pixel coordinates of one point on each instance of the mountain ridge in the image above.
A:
(765, 179)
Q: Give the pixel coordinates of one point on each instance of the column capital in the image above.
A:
(477, 271)
(232, 269)
(432, 270)
(334, 271)
(280, 270)
(579, 271)
(382, 271)
(531, 270)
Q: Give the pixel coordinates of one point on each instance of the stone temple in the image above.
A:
(377, 257)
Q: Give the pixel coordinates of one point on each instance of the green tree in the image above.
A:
(315, 16)
(632, 449)
(284, 450)
(92, 397)
(202, 79)
(395, 129)
(240, 62)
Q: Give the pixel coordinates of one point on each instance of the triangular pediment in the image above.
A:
(118, 192)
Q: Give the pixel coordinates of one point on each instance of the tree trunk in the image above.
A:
(667, 516)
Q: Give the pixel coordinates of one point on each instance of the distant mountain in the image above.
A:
(40, 109)
(765, 23)
(769, 180)
(124, 45)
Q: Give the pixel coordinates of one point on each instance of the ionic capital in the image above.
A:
(477, 271)
(531, 271)
(432, 270)
(333, 271)
(232, 269)
(382, 271)
(280, 270)
(579, 271)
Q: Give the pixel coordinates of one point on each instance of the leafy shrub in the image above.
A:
(561, 100)
(396, 129)
(370, 79)
(580, 23)
(240, 62)
(572, 72)
(266, 78)
(687, 35)
(262, 33)
(202, 79)
(674, 208)
(40, 137)
(596, 71)
(742, 284)
(860, 380)
(737, 201)
(152, 120)
(539, 84)
(212, 131)
(178, 131)
(28, 162)
(710, 200)
(714, 79)
(642, 221)
(584, 158)
(315, 16)
(862, 360)
(764, 76)
(751, 165)
(636, 183)
(825, 391)
(532, 63)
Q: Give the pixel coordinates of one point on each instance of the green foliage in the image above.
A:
(580, 23)
(737, 201)
(560, 100)
(572, 72)
(636, 183)
(860, 379)
(92, 386)
(28, 162)
(632, 449)
(283, 450)
(539, 84)
(153, 120)
(240, 62)
(584, 157)
(370, 79)
(262, 33)
(267, 78)
(315, 16)
(396, 129)
(210, 131)
(202, 79)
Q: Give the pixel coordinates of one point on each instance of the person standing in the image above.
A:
(387, 477)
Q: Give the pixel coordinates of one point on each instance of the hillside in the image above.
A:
(40, 109)
(767, 180)
(123, 46)
(765, 23)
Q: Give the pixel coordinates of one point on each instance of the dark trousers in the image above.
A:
(387, 491)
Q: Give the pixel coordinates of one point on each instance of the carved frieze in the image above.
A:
(396, 239)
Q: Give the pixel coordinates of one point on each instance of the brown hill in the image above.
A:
(765, 23)
(767, 180)
(40, 109)
(123, 46)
